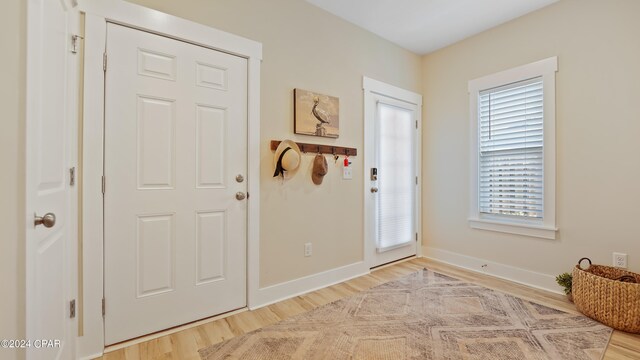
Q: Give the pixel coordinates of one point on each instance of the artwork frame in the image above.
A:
(316, 114)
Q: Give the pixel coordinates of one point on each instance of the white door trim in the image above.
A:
(372, 88)
(98, 13)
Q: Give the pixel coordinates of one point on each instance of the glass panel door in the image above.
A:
(396, 182)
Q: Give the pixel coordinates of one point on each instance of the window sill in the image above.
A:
(540, 231)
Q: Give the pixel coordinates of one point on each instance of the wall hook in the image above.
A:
(336, 151)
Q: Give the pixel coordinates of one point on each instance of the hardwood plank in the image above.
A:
(184, 344)
(287, 308)
(115, 355)
(218, 331)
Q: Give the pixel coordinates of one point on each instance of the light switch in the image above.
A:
(347, 173)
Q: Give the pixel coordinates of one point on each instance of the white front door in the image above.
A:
(175, 162)
(392, 178)
(49, 248)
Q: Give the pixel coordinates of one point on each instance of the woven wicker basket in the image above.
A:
(608, 295)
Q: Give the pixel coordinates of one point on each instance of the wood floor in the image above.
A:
(184, 344)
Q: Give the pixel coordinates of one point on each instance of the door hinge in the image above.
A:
(416, 237)
(416, 124)
(416, 180)
(74, 43)
(104, 62)
(72, 309)
(104, 308)
(72, 176)
(104, 184)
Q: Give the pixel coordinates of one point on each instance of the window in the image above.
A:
(510, 150)
(513, 150)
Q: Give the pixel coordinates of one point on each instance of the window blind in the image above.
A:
(511, 150)
(395, 206)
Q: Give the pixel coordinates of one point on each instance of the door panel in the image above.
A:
(175, 139)
(395, 198)
(211, 245)
(49, 249)
(155, 246)
(211, 147)
(156, 143)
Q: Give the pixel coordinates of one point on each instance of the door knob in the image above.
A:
(374, 189)
(48, 220)
(240, 195)
(239, 178)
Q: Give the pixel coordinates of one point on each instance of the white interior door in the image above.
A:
(391, 163)
(49, 249)
(175, 159)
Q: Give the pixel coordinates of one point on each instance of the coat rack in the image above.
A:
(322, 149)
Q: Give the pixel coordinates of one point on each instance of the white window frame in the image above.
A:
(545, 227)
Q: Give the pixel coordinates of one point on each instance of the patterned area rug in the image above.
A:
(425, 315)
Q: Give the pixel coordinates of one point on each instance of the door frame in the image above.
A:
(97, 14)
(373, 88)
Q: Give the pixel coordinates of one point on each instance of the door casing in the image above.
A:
(372, 89)
(98, 14)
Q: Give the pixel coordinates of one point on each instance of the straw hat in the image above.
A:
(320, 169)
(286, 158)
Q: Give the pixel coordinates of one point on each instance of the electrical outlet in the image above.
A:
(308, 250)
(620, 260)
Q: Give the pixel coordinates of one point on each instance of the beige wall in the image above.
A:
(597, 124)
(305, 47)
(12, 88)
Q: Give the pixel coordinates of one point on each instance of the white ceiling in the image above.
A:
(423, 26)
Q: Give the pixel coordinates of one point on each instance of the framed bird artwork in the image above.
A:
(315, 114)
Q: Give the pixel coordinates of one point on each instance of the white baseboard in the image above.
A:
(286, 290)
(502, 271)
